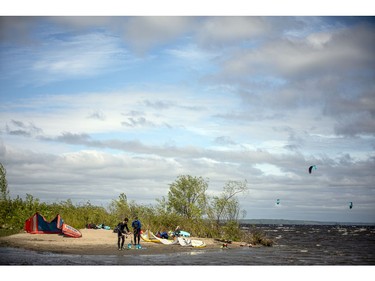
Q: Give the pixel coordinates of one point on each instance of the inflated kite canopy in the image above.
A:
(311, 168)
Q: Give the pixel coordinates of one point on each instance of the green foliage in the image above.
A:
(256, 237)
(231, 231)
(79, 216)
(187, 196)
(4, 192)
(226, 206)
(4, 196)
(120, 207)
(7, 232)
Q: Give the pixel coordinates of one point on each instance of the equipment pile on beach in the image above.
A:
(182, 239)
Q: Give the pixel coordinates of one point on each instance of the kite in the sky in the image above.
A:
(311, 168)
(278, 202)
(350, 205)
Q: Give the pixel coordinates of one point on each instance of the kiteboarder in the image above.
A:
(136, 225)
(121, 233)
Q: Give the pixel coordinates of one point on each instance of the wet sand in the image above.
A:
(98, 242)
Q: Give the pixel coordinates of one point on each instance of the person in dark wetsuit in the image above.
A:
(120, 233)
(136, 225)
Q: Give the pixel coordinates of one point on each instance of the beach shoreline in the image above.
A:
(98, 242)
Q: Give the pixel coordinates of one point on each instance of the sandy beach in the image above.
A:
(97, 242)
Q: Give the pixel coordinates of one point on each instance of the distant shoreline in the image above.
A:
(298, 222)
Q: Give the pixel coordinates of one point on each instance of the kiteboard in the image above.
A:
(70, 231)
(134, 247)
(198, 243)
(191, 242)
(183, 241)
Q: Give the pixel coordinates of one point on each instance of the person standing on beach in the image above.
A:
(121, 233)
(136, 225)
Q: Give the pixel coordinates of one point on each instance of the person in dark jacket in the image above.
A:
(121, 232)
(136, 225)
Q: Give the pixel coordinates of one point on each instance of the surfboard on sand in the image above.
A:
(198, 243)
(191, 242)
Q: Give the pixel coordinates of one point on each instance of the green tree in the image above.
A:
(187, 196)
(3, 184)
(4, 197)
(120, 207)
(226, 206)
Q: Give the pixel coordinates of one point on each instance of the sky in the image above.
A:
(92, 107)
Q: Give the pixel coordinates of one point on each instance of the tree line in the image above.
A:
(187, 204)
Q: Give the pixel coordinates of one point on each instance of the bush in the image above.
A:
(231, 231)
(256, 237)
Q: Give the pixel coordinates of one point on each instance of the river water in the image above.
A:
(294, 245)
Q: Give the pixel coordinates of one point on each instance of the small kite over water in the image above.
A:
(350, 205)
(311, 168)
(278, 202)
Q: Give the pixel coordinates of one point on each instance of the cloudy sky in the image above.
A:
(91, 107)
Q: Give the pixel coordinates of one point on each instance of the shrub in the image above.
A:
(256, 237)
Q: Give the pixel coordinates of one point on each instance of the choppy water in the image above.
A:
(294, 245)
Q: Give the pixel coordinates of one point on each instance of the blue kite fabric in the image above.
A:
(37, 224)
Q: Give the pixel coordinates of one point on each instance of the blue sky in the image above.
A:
(91, 107)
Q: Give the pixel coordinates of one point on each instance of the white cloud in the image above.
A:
(231, 30)
(83, 55)
(63, 58)
(339, 51)
(319, 40)
(145, 33)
